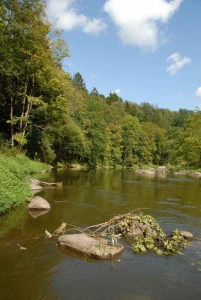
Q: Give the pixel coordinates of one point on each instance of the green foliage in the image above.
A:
(79, 81)
(14, 189)
(191, 144)
(53, 117)
(175, 243)
(155, 239)
(130, 136)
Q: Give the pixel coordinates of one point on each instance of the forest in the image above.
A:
(52, 117)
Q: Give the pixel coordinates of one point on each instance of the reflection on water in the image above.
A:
(44, 271)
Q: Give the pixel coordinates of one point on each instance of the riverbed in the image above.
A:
(87, 197)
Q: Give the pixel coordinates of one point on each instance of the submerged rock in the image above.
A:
(38, 203)
(89, 246)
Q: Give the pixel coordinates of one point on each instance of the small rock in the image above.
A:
(29, 200)
(135, 231)
(34, 181)
(196, 174)
(35, 187)
(162, 169)
(90, 246)
(38, 203)
(149, 171)
(180, 173)
(187, 235)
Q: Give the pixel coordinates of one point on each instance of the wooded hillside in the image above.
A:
(52, 117)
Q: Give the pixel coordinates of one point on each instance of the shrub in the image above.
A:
(14, 188)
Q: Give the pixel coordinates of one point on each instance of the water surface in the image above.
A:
(44, 271)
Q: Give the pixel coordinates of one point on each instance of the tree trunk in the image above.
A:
(11, 119)
(29, 107)
(23, 104)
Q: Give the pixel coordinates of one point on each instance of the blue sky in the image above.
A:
(145, 50)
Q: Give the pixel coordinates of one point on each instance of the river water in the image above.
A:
(87, 197)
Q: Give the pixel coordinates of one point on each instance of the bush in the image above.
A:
(14, 188)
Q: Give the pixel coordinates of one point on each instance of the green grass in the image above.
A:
(14, 188)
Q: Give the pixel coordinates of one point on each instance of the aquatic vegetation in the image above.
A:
(153, 237)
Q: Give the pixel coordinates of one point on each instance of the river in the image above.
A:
(87, 197)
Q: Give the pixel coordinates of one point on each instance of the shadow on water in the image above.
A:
(44, 271)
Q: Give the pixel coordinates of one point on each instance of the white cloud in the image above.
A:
(178, 63)
(68, 18)
(198, 93)
(95, 26)
(117, 91)
(138, 20)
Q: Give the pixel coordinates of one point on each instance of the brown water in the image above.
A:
(44, 271)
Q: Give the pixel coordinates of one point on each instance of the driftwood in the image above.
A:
(21, 248)
(43, 183)
(59, 230)
(48, 235)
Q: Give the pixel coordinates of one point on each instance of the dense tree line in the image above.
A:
(52, 116)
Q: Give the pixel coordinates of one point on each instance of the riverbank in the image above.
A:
(14, 172)
(135, 167)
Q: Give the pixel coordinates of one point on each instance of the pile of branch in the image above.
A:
(146, 233)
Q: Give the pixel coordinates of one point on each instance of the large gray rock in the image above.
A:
(38, 203)
(89, 246)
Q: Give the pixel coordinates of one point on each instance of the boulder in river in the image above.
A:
(38, 203)
(89, 246)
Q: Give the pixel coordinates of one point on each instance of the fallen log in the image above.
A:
(43, 183)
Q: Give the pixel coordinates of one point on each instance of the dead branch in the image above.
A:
(61, 229)
(43, 183)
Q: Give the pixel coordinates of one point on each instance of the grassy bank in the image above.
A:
(14, 188)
